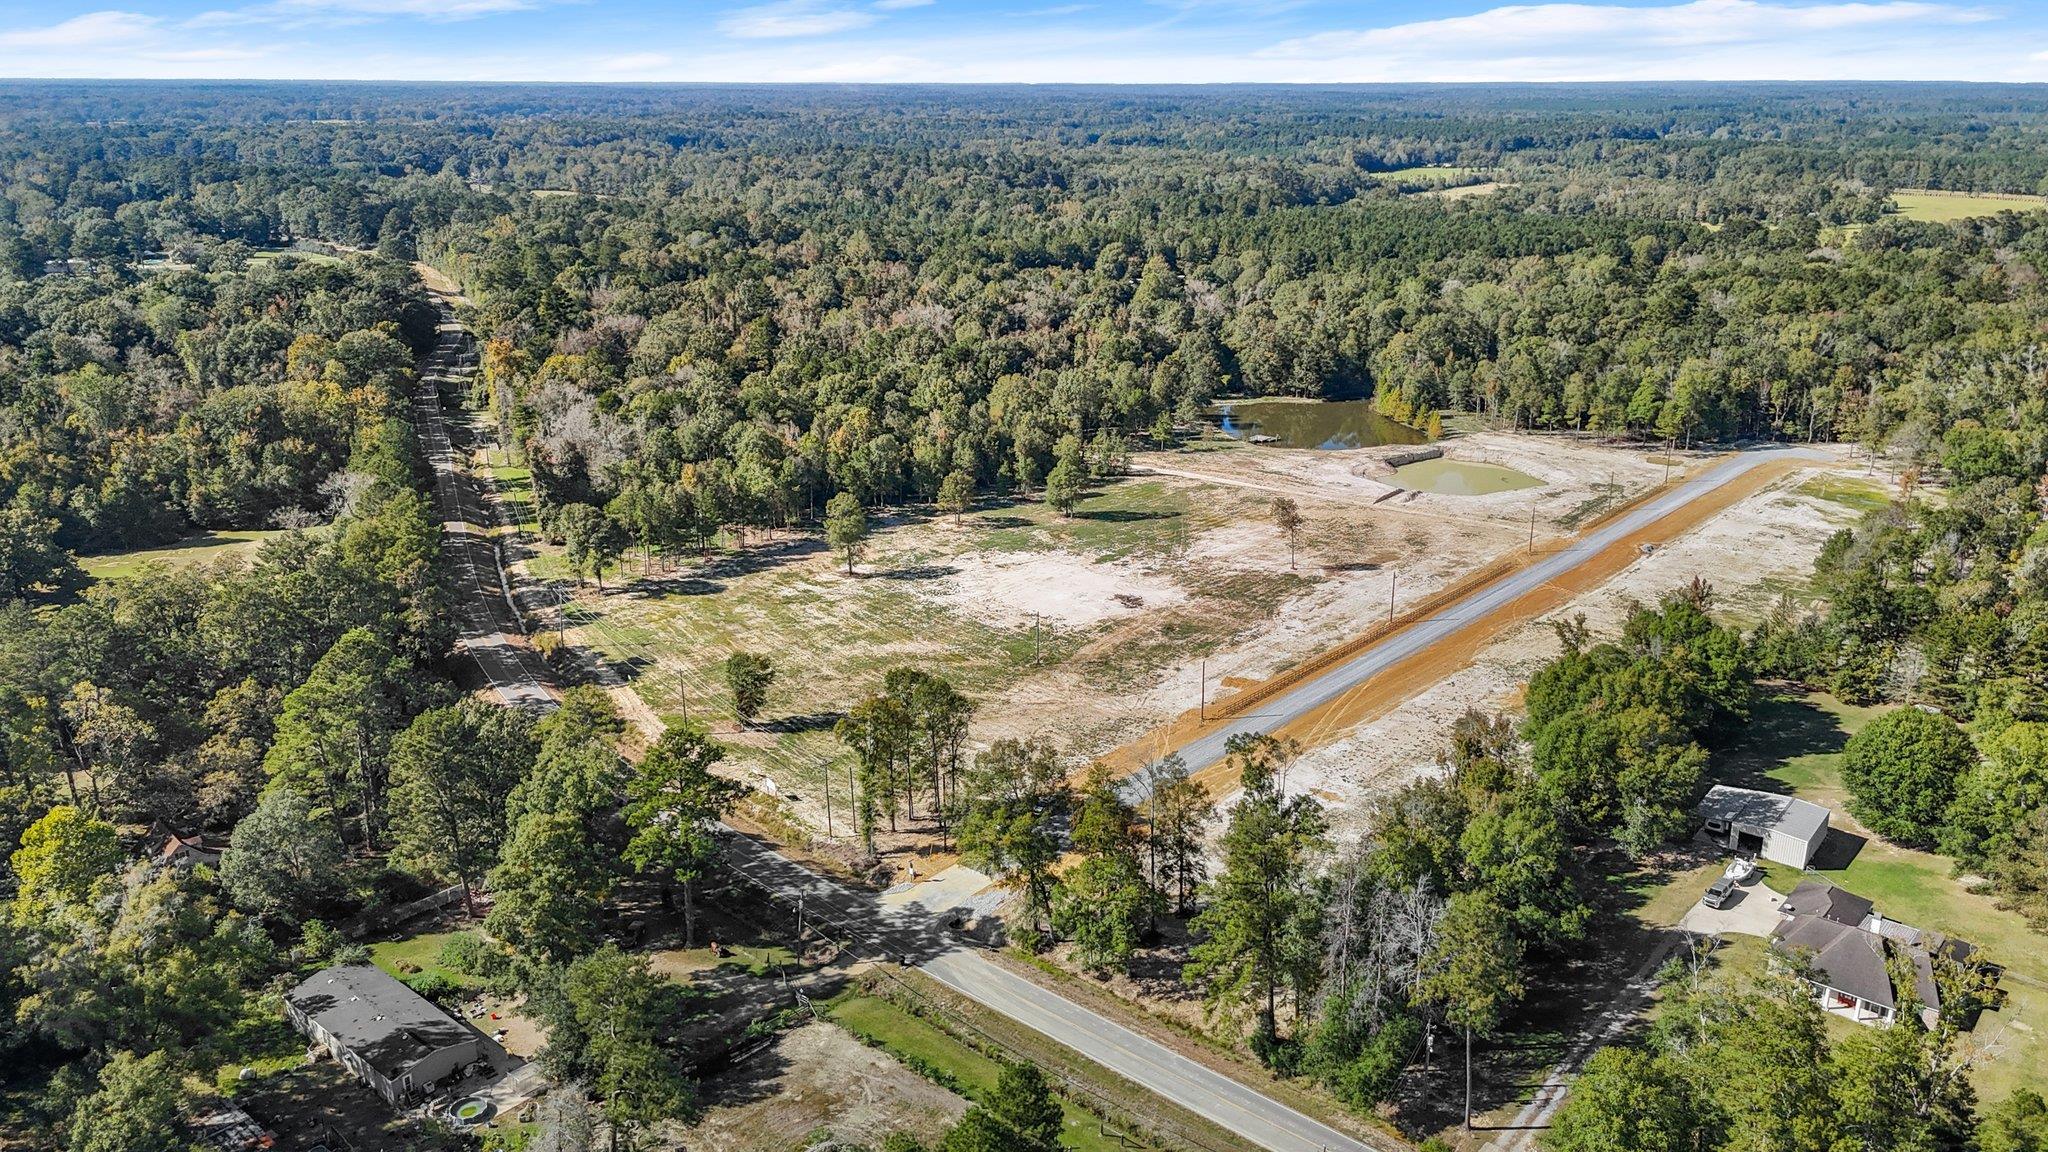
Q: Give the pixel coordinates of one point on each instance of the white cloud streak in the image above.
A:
(790, 19)
(91, 30)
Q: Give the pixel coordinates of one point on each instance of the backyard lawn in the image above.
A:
(416, 956)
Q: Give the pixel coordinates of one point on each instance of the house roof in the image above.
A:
(1764, 810)
(174, 843)
(1845, 957)
(1814, 898)
(389, 1026)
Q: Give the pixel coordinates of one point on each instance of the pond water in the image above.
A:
(1328, 425)
(1460, 478)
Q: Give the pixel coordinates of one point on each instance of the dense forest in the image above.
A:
(713, 309)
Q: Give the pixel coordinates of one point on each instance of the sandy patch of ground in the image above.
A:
(816, 1080)
(1019, 589)
(523, 1038)
(1750, 553)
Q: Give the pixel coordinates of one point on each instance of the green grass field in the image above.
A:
(1794, 743)
(514, 482)
(931, 1051)
(1860, 495)
(1937, 207)
(205, 547)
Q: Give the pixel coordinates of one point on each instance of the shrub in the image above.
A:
(472, 955)
(436, 987)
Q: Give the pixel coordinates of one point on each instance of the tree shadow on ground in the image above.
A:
(994, 522)
(1780, 728)
(1570, 992)
(919, 572)
(806, 722)
(746, 1075)
(1124, 515)
(665, 586)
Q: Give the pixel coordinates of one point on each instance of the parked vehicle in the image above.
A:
(1719, 893)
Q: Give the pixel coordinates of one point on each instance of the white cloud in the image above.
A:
(92, 30)
(1593, 40)
(342, 13)
(793, 18)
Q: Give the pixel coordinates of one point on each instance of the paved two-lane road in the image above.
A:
(912, 933)
(1322, 689)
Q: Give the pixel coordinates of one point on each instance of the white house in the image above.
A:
(1778, 828)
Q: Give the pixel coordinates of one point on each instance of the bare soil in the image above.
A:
(815, 1083)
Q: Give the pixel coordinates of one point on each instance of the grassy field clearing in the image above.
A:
(1794, 744)
(1432, 174)
(1007, 596)
(1938, 207)
(206, 546)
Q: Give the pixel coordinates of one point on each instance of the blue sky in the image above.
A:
(1039, 41)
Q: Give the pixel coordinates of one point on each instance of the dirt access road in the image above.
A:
(487, 627)
(1320, 703)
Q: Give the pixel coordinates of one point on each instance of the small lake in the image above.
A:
(1460, 478)
(1327, 425)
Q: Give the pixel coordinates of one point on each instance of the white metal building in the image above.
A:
(1778, 828)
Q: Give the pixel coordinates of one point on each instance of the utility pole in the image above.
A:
(1468, 1077)
(1391, 586)
(1532, 528)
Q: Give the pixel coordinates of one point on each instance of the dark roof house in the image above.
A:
(1813, 898)
(189, 850)
(1848, 967)
(390, 1036)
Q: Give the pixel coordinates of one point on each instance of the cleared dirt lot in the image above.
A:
(1091, 629)
(814, 1084)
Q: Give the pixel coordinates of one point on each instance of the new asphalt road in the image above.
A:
(1322, 689)
(908, 932)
